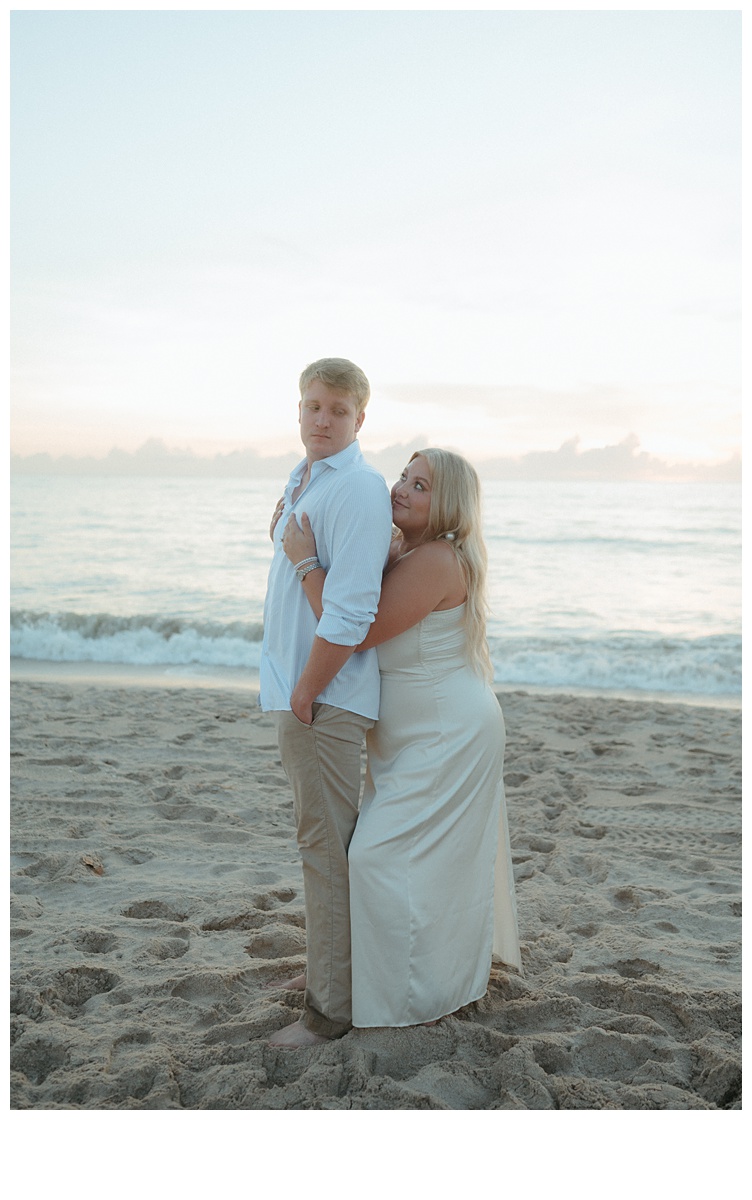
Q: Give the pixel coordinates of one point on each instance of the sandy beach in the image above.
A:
(156, 893)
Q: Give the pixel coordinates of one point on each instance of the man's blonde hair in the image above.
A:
(341, 374)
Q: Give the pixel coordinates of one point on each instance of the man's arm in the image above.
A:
(359, 531)
(324, 662)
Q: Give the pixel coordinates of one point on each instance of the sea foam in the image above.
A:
(707, 666)
(700, 666)
(138, 640)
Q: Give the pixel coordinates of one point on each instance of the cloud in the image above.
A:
(623, 461)
(684, 421)
(154, 458)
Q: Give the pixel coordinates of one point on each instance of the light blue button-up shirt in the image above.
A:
(349, 507)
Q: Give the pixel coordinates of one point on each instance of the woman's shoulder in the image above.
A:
(436, 551)
(436, 557)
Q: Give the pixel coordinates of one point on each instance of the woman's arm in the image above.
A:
(299, 543)
(427, 578)
(313, 586)
(416, 585)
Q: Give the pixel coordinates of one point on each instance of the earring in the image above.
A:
(450, 536)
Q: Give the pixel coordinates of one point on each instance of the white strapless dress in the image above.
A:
(430, 896)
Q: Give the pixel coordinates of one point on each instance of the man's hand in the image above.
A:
(324, 661)
(302, 706)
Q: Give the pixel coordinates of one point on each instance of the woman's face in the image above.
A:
(411, 498)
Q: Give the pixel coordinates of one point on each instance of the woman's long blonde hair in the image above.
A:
(456, 509)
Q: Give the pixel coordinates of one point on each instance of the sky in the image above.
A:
(523, 224)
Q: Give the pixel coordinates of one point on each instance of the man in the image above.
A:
(323, 696)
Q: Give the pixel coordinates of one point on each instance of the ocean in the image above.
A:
(627, 588)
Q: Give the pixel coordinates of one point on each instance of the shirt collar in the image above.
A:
(350, 454)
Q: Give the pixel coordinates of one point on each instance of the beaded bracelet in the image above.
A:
(301, 572)
(303, 562)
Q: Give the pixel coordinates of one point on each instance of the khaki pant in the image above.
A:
(322, 762)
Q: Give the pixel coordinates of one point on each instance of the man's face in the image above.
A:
(329, 420)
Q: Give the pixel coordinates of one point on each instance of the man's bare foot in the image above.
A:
(290, 985)
(295, 1037)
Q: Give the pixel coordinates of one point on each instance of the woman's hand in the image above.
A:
(277, 514)
(298, 541)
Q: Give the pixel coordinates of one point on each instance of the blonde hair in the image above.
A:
(339, 373)
(456, 511)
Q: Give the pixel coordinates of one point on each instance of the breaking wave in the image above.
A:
(142, 640)
(702, 666)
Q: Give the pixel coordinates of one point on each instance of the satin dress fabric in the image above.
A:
(431, 883)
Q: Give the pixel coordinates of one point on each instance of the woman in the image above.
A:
(424, 853)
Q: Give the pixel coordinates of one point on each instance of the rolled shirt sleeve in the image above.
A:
(359, 530)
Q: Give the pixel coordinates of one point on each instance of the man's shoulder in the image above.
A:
(356, 471)
(359, 497)
(360, 487)
(370, 472)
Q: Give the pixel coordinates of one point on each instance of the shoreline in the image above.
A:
(156, 891)
(246, 680)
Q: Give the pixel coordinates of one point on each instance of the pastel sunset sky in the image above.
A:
(523, 224)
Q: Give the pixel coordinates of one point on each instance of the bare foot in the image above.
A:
(294, 1037)
(290, 985)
